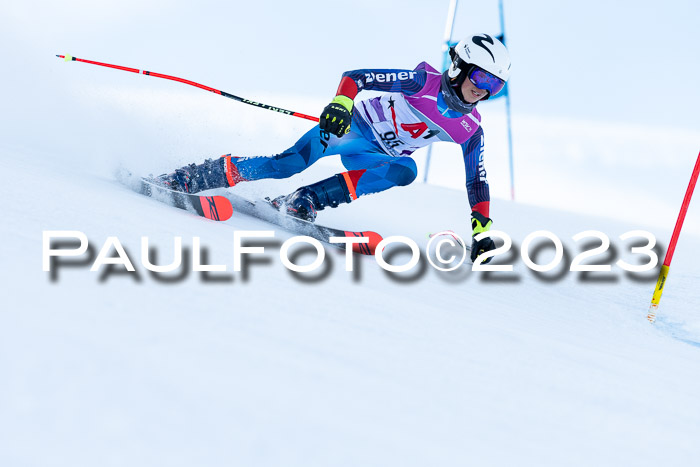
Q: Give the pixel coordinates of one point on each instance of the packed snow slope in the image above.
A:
(339, 368)
(333, 367)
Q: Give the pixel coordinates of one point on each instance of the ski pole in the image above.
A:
(69, 58)
(651, 316)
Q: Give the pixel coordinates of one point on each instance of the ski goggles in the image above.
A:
(482, 79)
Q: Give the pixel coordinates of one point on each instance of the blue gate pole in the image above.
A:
(510, 137)
(445, 51)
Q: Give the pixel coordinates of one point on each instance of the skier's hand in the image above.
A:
(337, 115)
(480, 224)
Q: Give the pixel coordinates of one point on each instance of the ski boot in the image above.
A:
(306, 201)
(193, 178)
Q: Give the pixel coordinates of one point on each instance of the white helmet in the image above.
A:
(483, 51)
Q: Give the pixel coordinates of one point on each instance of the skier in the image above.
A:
(375, 137)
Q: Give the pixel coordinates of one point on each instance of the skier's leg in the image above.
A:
(229, 170)
(299, 157)
(373, 173)
(370, 173)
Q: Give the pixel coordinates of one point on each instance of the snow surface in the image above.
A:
(349, 369)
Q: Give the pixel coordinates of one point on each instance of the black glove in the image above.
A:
(480, 224)
(337, 116)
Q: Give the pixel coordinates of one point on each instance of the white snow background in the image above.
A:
(349, 369)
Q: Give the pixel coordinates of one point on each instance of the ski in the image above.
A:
(265, 211)
(221, 207)
(216, 208)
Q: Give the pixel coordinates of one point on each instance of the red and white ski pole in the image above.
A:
(661, 282)
(69, 58)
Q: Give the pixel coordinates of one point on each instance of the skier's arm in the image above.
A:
(337, 116)
(478, 191)
(407, 82)
(477, 185)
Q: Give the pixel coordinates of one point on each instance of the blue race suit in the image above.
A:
(385, 131)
